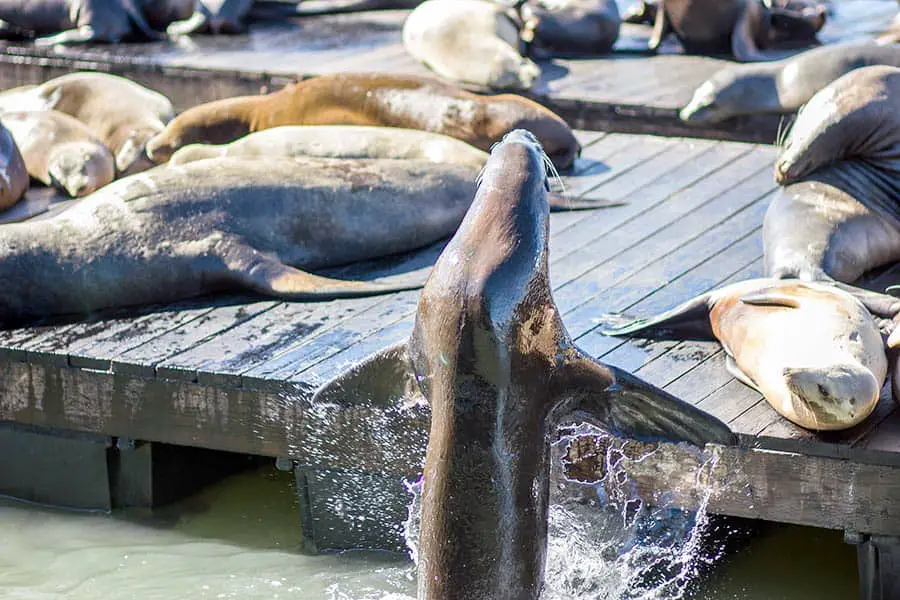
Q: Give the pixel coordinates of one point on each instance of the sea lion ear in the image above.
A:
(619, 402)
(383, 379)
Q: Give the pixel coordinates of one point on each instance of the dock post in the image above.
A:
(878, 561)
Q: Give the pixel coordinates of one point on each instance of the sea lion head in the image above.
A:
(730, 92)
(80, 167)
(216, 122)
(833, 396)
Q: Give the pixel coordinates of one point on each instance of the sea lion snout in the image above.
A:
(831, 397)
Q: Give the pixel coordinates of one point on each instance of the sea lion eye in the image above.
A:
(822, 390)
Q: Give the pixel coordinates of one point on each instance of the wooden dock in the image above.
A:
(626, 91)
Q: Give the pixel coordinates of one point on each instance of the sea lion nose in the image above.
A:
(521, 136)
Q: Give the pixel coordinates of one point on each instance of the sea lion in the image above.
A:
(490, 354)
(13, 174)
(214, 16)
(837, 215)
(61, 151)
(82, 21)
(811, 349)
(469, 41)
(173, 233)
(552, 27)
(121, 113)
(782, 86)
(383, 100)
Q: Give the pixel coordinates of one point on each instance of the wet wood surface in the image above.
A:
(237, 373)
(625, 91)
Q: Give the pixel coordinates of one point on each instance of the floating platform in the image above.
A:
(626, 91)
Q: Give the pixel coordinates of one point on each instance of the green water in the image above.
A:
(240, 540)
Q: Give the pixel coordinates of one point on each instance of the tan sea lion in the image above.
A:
(782, 86)
(121, 113)
(470, 41)
(383, 100)
(491, 356)
(811, 349)
(61, 151)
(13, 174)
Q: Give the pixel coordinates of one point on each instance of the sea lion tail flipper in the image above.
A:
(271, 277)
(382, 379)
(562, 203)
(691, 317)
(881, 305)
(631, 407)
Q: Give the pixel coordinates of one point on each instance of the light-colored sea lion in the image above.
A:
(490, 354)
(552, 27)
(13, 174)
(376, 99)
(811, 349)
(81, 21)
(470, 41)
(173, 233)
(121, 113)
(61, 151)
(783, 86)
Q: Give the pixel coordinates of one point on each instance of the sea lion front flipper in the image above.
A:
(382, 379)
(732, 367)
(81, 35)
(743, 47)
(881, 305)
(197, 23)
(268, 276)
(691, 317)
(662, 27)
(627, 406)
(562, 203)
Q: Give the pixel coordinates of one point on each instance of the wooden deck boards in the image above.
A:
(625, 91)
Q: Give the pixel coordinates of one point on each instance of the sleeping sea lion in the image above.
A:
(491, 356)
(782, 86)
(13, 174)
(384, 100)
(811, 349)
(552, 27)
(61, 151)
(173, 233)
(470, 41)
(121, 113)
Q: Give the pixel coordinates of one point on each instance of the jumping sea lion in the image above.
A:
(80, 21)
(121, 113)
(811, 349)
(173, 233)
(783, 86)
(469, 41)
(837, 216)
(13, 174)
(570, 26)
(371, 99)
(490, 354)
(61, 151)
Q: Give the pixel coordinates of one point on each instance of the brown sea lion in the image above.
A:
(121, 113)
(490, 354)
(554, 27)
(61, 151)
(812, 350)
(13, 174)
(177, 232)
(371, 99)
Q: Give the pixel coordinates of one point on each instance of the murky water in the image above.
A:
(240, 539)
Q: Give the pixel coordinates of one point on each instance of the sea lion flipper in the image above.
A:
(268, 276)
(662, 27)
(563, 203)
(732, 367)
(196, 23)
(382, 379)
(628, 406)
(81, 35)
(691, 317)
(742, 45)
(770, 297)
(136, 15)
(881, 305)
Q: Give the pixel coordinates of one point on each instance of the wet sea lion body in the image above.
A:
(81, 21)
(782, 86)
(407, 102)
(61, 151)
(121, 113)
(174, 233)
(837, 215)
(490, 354)
(13, 174)
(811, 349)
(470, 41)
(570, 26)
